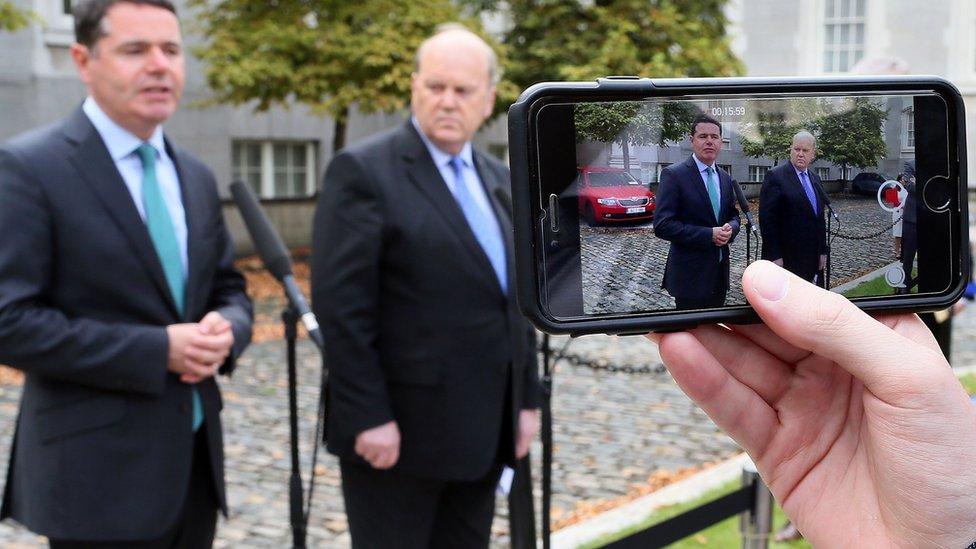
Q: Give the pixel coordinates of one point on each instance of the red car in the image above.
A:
(612, 194)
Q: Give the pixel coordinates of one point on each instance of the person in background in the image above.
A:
(433, 375)
(791, 213)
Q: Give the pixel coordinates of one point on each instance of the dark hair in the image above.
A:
(89, 15)
(704, 119)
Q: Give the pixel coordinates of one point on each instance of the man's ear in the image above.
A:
(82, 56)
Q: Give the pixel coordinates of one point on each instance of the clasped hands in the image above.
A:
(721, 235)
(197, 349)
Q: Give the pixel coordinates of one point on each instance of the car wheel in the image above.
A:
(590, 216)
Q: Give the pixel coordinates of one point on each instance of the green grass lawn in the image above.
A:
(872, 288)
(723, 535)
(969, 382)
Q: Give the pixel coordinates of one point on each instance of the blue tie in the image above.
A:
(483, 225)
(160, 225)
(713, 196)
(713, 192)
(809, 190)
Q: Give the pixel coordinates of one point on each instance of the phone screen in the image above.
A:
(640, 210)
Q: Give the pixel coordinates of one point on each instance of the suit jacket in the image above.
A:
(104, 442)
(790, 228)
(684, 217)
(417, 328)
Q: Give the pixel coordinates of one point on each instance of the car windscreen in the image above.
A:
(611, 179)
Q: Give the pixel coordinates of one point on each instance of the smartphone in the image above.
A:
(631, 195)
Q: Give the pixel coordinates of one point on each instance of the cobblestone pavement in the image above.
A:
(611, 431)
(623, 265)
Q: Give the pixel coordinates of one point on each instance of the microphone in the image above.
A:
(744, 206)
(823, 194)
(274, 255)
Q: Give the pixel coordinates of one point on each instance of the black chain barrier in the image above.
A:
(868, 236)
(604, 365)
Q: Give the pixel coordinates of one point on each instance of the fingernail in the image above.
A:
(771, 282)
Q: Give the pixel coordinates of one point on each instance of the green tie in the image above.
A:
(713, 191)
(160, 225)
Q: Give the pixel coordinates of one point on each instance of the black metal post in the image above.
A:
(756, 522)
(546, 439)
(296, 510)
(826, 280)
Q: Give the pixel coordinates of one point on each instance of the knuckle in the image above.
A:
(830, 314)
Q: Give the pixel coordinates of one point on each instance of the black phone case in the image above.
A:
(524, 176)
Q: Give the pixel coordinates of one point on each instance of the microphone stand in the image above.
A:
(277, 260)
(295, 486)
(750, 226)
(827, 238)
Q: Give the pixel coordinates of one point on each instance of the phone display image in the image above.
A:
(660, 224)
(638, 203)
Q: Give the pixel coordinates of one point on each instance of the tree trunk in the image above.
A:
(625, 147)
(339, 135)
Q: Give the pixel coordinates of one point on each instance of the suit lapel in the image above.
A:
(194, 207)
(423, 174)
(94, 163)
(798, 189)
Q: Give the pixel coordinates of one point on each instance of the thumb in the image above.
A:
(829, 325)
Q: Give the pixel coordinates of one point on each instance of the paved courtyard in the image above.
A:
(623, 265)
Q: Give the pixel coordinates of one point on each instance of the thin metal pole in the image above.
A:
(296, 512)
(757, 522)
(546, 439)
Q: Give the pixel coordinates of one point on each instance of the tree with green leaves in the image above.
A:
(774, 136)
(771, 133)
(13, 18)
(328, 54)
(573, 40)
(334, 54)
(633, 123)
(853, 135)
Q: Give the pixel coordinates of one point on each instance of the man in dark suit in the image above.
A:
(433, 375)
(696, 213)
(791, 213)
(118, 300)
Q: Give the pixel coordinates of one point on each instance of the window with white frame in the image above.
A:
(822, 173)
(908, 129)
(275, 169)
(844, 23)
(757, 173)
(727, 129)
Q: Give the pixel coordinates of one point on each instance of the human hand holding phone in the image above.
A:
(857, 424)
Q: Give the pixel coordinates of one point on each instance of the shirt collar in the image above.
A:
(798, 172)
(119, 141)
(701, 165)
(440, 157)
